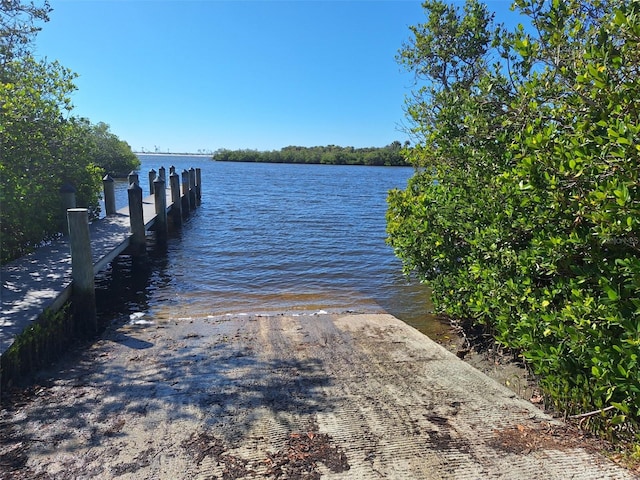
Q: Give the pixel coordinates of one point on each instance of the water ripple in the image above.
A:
(273, 237)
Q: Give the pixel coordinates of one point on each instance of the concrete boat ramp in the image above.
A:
(341, 396)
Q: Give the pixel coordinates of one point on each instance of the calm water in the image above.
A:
(272, 238)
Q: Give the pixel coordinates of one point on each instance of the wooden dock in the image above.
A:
(44, 280)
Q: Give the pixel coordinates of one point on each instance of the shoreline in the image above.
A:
(210, 155)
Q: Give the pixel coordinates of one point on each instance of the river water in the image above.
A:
(269, 239)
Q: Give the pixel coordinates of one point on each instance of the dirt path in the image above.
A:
(283, 397)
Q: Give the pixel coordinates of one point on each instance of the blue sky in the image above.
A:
(185, 76)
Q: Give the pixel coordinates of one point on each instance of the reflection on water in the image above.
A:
(271, 239)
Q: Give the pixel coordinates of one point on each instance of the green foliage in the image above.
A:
(111, 154)
(391, 155)
(41, 150)
(42, 146)
(523, 211)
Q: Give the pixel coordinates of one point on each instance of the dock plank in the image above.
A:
(42, 279)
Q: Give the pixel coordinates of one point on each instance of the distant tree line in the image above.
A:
(391, 155)
(42, 145)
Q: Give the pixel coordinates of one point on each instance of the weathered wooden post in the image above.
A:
(176, 210)
(172, 169)
(162, 173)
(136, 217)
(192, 188)
(198, 186)
(161, 209)
(84, 294)
(152, 178)
(133, 178)
(109, 188)
(68, 200)
(186, 206)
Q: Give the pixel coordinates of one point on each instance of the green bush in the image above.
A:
(42, 147)
(113, 155)
(41, 150)
(523, 213)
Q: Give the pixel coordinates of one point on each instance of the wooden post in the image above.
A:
(109, 188)
(198, 186)
(68, 200)
(192, 188)
(161, 209)
(172, 169)
(84, 294)
(133, 178)
(176, 210)
(185, 193)
(152, 178)
(162, 173)
(136, 217)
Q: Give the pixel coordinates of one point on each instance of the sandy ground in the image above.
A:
(281, 397)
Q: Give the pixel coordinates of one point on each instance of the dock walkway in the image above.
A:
(42, 279)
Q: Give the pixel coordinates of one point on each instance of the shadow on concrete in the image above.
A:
(197, 378)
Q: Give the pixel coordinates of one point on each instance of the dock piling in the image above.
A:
(152, 178)
(161, 208)
(198, 186)
(133, 178)
(136, 217)
(84, 295)
(192, 188)
(186, 201)
(109, 188)
(176, 210)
